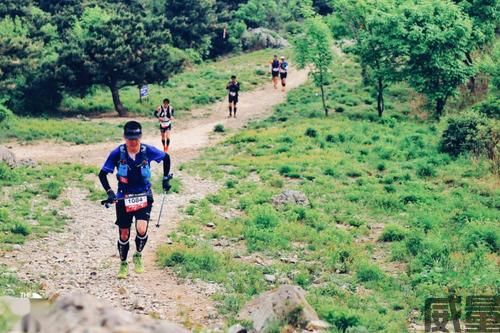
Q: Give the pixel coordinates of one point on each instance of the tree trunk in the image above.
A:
(323, 98)
(440, 103)
(115, 93)
(472, 79)
(380, 97)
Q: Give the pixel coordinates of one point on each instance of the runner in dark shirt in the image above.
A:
(233, 87)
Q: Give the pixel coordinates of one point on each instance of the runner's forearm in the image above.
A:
(103, 177)
(166, 165)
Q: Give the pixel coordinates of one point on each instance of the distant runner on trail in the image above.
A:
(134, 197)
(165, 115)
(233, 87)
(283, 72)
(275, 71)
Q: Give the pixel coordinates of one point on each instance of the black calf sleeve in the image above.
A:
(123, 248)
(140, 242)
(163, 142)
(168, 142)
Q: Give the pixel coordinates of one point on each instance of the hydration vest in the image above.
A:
(165, 113)
(275, 65)
(283, 67)
(123, 167)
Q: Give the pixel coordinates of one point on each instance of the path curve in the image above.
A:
(83, 257)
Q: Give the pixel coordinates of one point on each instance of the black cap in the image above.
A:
(132, 130)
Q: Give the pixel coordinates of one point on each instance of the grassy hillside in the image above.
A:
(391, 221)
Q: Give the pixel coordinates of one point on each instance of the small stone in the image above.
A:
(237, 329)
(170, 241)
(317, 325)
(210, 225)
(270, 278)
(17, 247)
(35, 296)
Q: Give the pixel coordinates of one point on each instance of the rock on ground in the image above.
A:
(7, 156)
(75, 313)
(262, 38)
(290, 197)
(286, 304)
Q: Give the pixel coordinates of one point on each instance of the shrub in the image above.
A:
(393, 233)
(311, 132)
(53, 188)
(339, 109)
(330, 138)
(367, 273)
(489, 108)
(219, 128)
(264, 217)
(285, 170)
(342, 319)
(20, 229)
(476, 235)
(470, 132)
(425, 171)
(4, 113)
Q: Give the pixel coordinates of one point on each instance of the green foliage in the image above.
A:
(378, 45)
(489, 108)
(311, 132)
(102, 50)
(393, 233)
(31, 195)
(190, 23)
(219, 128)
(437, 38)
(314, 48)
(470, 132)
(369, 273)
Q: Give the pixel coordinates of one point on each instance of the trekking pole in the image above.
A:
(162, 203)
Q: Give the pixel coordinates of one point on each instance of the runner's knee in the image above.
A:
(124, 234)
(141, 227)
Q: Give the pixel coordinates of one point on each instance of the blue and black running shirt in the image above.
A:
(136, 183)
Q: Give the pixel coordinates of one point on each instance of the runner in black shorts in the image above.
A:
(275, 71)
(233, 88)
(283, 72)
(165, 115)
(134, 198)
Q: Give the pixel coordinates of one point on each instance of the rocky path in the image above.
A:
(83, 256)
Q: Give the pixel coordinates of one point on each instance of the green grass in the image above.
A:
(201, 85)
(440, 214)
(31, 201)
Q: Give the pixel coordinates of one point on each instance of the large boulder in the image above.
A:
(290, 197)
(286, 305)
(79, 313)
(7, 157)
(262, 38)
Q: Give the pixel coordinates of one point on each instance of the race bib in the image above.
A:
(135, 203)
(164, 124)
(275, 69)
(232, 93)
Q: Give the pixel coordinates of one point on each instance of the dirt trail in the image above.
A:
(83, 257)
